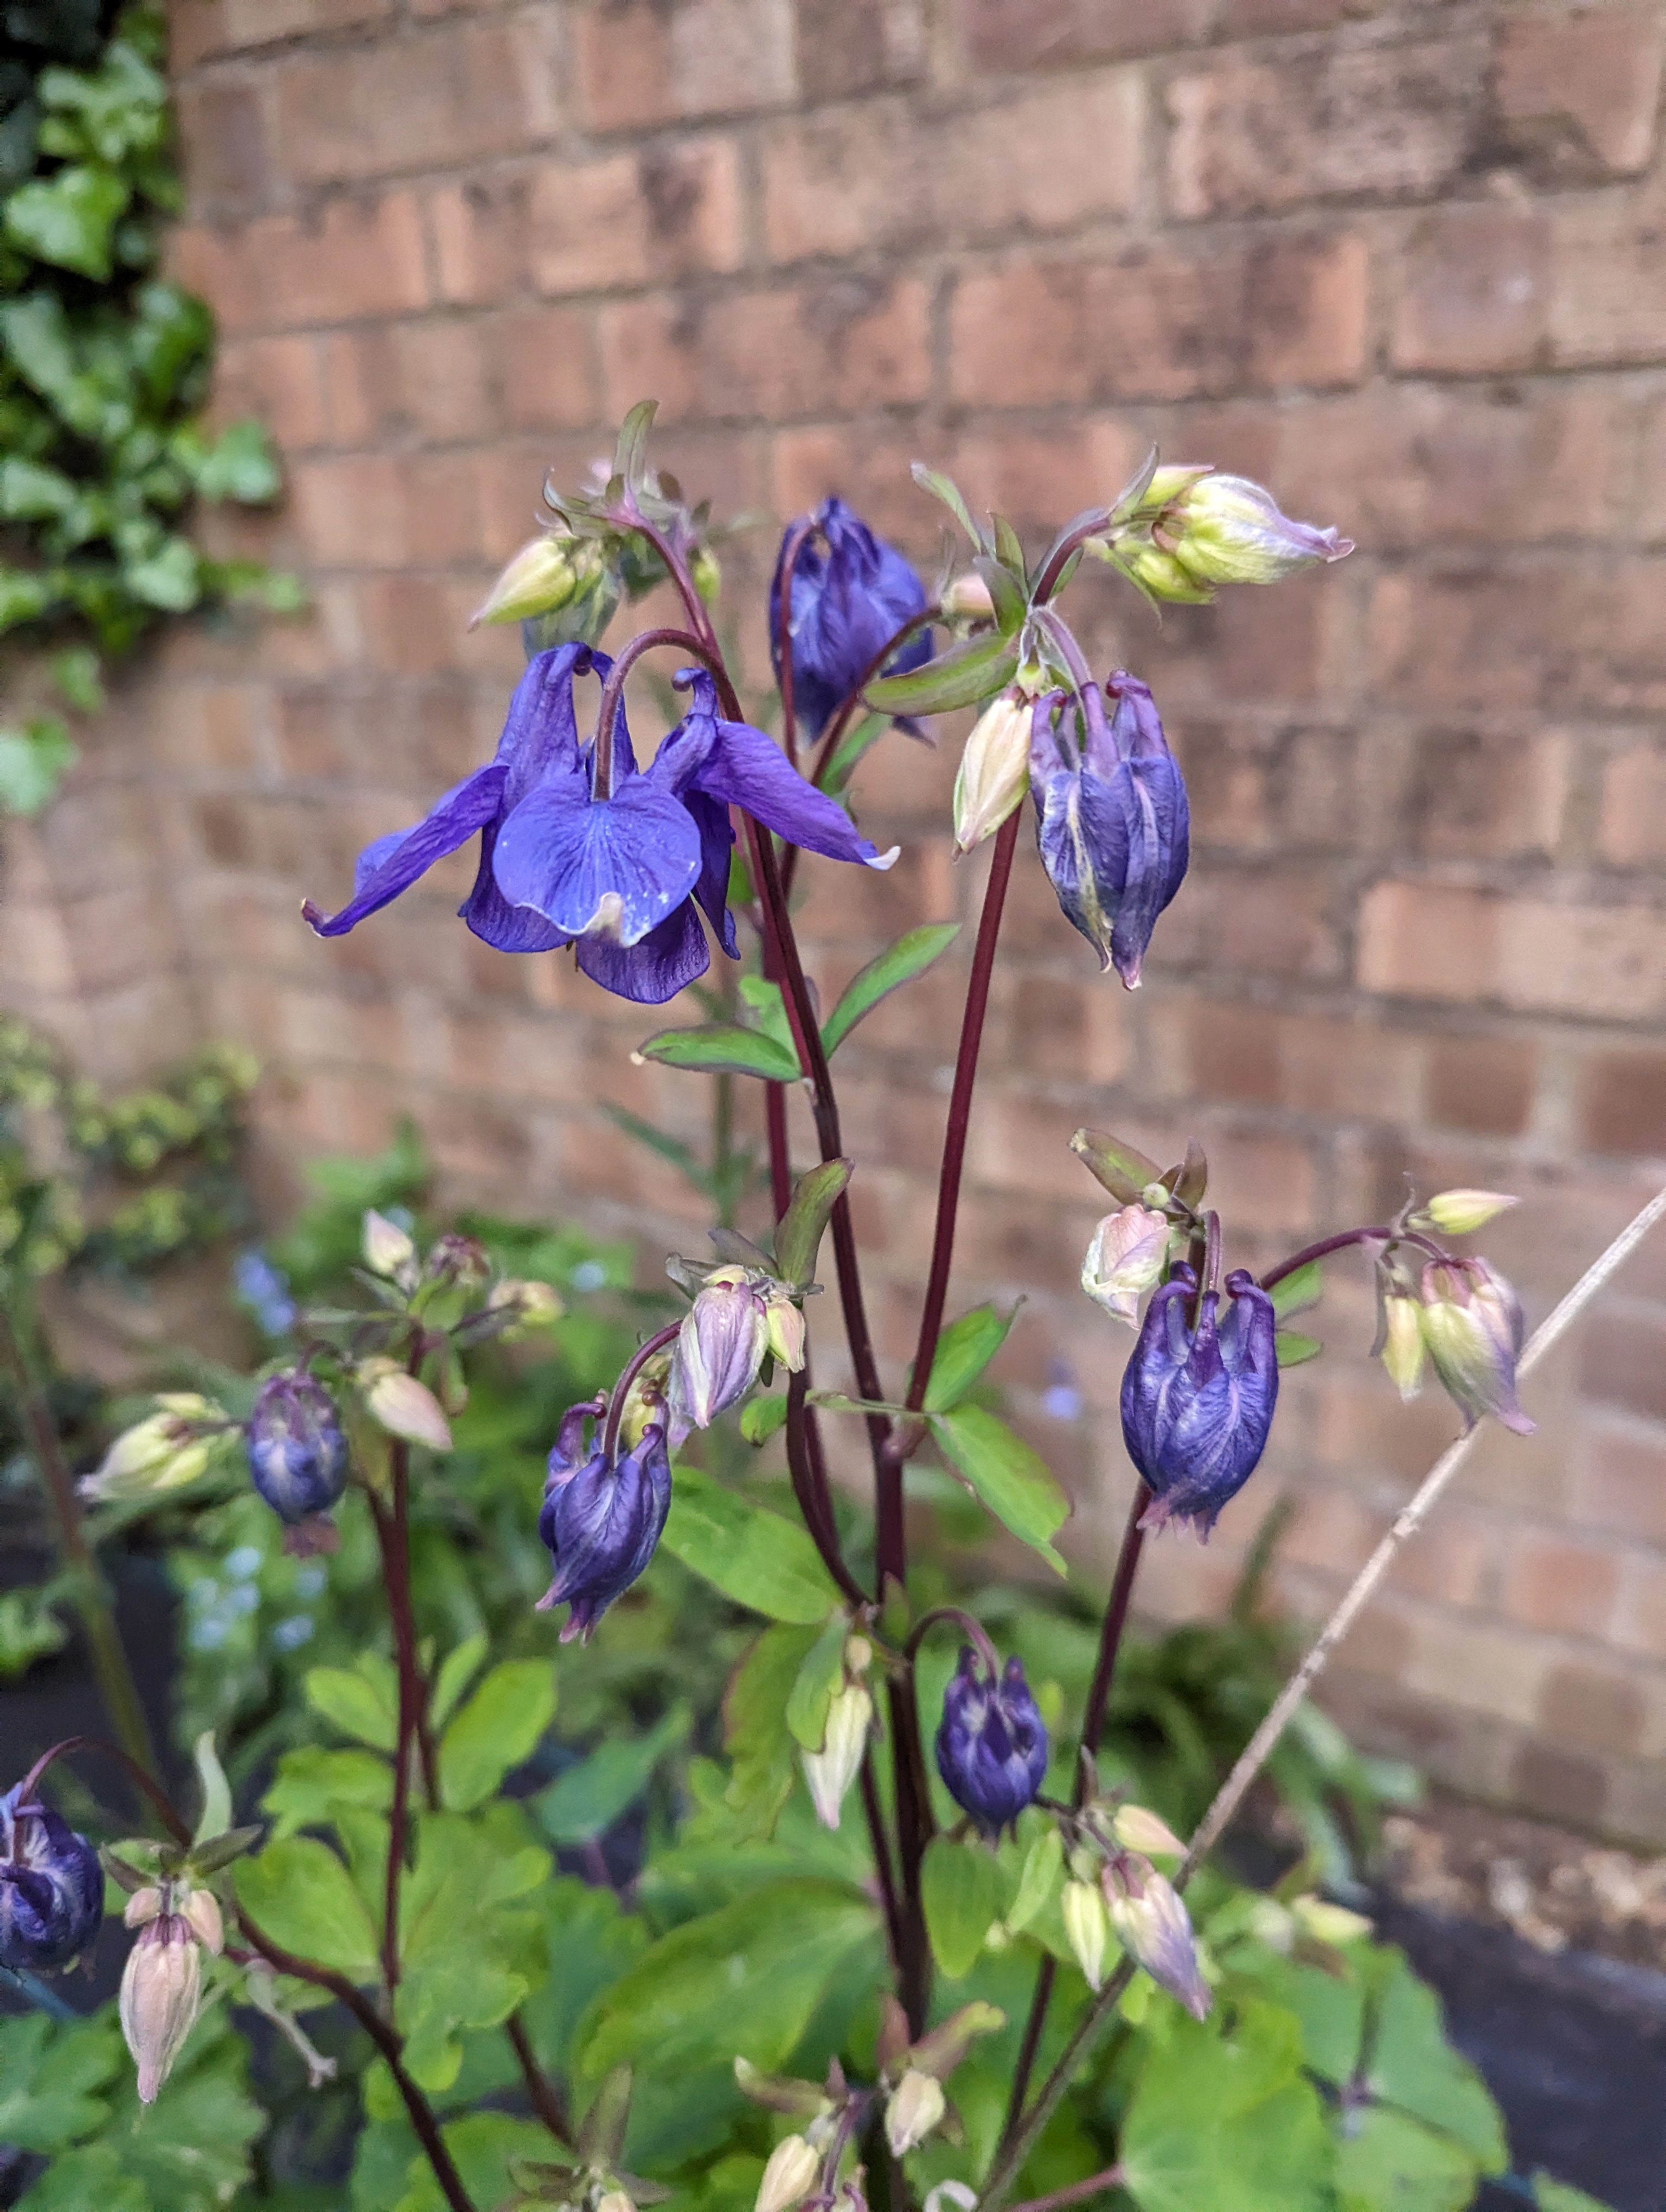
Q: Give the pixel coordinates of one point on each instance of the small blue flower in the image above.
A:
(601, 1521)
(851, 592)
(1198, 1401)
(992, 1743)
(619, 877)
(264, 1290)
(298, 1458)
(1111, 818)
(51, 1888)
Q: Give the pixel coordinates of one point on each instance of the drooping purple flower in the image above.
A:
(851, 592)
(992, 1742)
(601, 1521)
(1112, 822)
(617, 876)
(52, 1887)
(297, 1456)
(1198, 1401)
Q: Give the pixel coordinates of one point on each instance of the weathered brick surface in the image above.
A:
(1400, 259)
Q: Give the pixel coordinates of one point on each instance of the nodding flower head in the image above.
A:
(851, 592)
(1473, 1326)
(1197, 1397)
(740, 1316)
(1197, 528)
(1112, 822)
(297, 1456)
(52, 1887)
(1155, 1930)
(601, 1520)
(161, 1985)
(992, 1743)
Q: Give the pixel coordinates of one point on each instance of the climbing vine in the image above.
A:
(105, 368)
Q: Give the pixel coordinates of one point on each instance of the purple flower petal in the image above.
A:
(614, 867)
(657, 968)
(391, 865)
(507, 929)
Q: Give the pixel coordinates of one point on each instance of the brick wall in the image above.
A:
(1405, 262)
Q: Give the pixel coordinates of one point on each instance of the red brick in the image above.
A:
(385, 511)
(1488, 792)
(856, 47)
(1634, 822)
(480, 230)
(881, 175)
(1474, 291)
(1578, 95)
(1559, 1586)
(198, 28)
(546, 360)
(355, 260)
(1594, 1707)
(431, 379)
(1002, 35)
(1559, 1785)
(855, 343)
(450, 95)
(282, 381)
(642, 61)
(1258, 315)
(1623, 1362)
(223, 136)
(1484, 1085)
(1425, 941)
(1370, 122)
(1033, 476)
(1620, 1485)
(635, 218)
(1622, 1103)
(1605, 306)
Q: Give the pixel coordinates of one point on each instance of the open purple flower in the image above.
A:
(601, 1520)
(851, 592)
(617, 875)
(52, 1887)
(1111, 818)
(1198, 1400)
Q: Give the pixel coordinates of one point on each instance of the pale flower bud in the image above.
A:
(831, 1770)
(403, 1406)
(538, 580)
(142, 1907)
(968, 600)
(1226, 530)
(1124, 1260)
(1458, 1212)
(162, 1990)
(161, 1453)
(917, 2104)
(615, 2200)
(1138, 1830)
(1155, 1930)
(535, 1305)
(995, 770)
(792, 2172)
(1087, 1925)
(1328, 1923)
(1403, 1348)
(201, 1910)
(387, 1249)
(784, 1324)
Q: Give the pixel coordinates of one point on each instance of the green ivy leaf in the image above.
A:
(68, 219)
(497, 1730)
(168, 579)
(299, 1893)
(963, 1892)
(964, 1351)
(967, 674)
(756, 1558)
(362, 1702)
(1226, 2121)
(899, 963)
(24, 597)
(586, 1801)
(239, 467)
(1012, 1478)
(30, 493)
(33, 762)
(723, 1047)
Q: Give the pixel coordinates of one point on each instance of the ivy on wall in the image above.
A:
(104, 371)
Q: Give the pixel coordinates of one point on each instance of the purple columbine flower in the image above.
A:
(618, 876)
(1198, 1401)
(1112, 818)
(601, 1521)
(1473, 1325)
(851, 592)
(298, 1458)
(992, 1743)
(52, 1887)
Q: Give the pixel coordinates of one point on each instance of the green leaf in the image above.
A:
(465, 1942)
(51, 2077)
(900, 963)
(455, 1671)
(759, 1417)
(814, 1684)
(586, 1801)
(29, 1630)
(753, 1556)
(962, 1891)
(1007, 585)
(299, 1893)
(78, 675)
(630, 453)
(967, 672)
(1411, 2065)
(24, 596)
(799, 1233)
(362, 1702)
(215, 1816)
(723, 1047)
(67, 219)
(169, 578)
(1038, 1877)
(1297, 1292)
(30, 493)
(743, 1982)
(1226, 2121)
(481, 2144)
(1013, 1480)
(594, 1940)
(239, 467)
(1125, 1173)
(33, 762)
(860, 739)
(1386, 2162)
(1559, 2197)
(964, 1351)
(312, 1784)
(497, 1730)
(943, 488)
(763, 1757)
(1295, 1350)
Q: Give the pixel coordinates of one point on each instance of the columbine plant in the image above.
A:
(390, 1881)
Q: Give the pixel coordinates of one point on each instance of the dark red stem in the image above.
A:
(882, 1865)
(613, 692)
(1077, 2193)
(546, 2098)
(139, 1775)
(810, 1487)
(621, 1390)
(1385, 1234)
(973, 1629)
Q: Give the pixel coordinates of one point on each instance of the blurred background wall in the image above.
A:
(1406, 262)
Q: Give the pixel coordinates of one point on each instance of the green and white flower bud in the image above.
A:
(534, 1306)
(162, 1992)
(1226, 530)
(1328, 1923)
(1138, 1830)
(402, 1404)
(539, 580)
(707, 575)
(794, 2169)
(615, 2200)
(1459, 1212)
(1125, 1260)
(831, 1770)
(388, 1250)
(1404, 1350)
(1087, 1926)
(784, 1326)
(916, 2106)
(995, 770)
(163, 1452)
